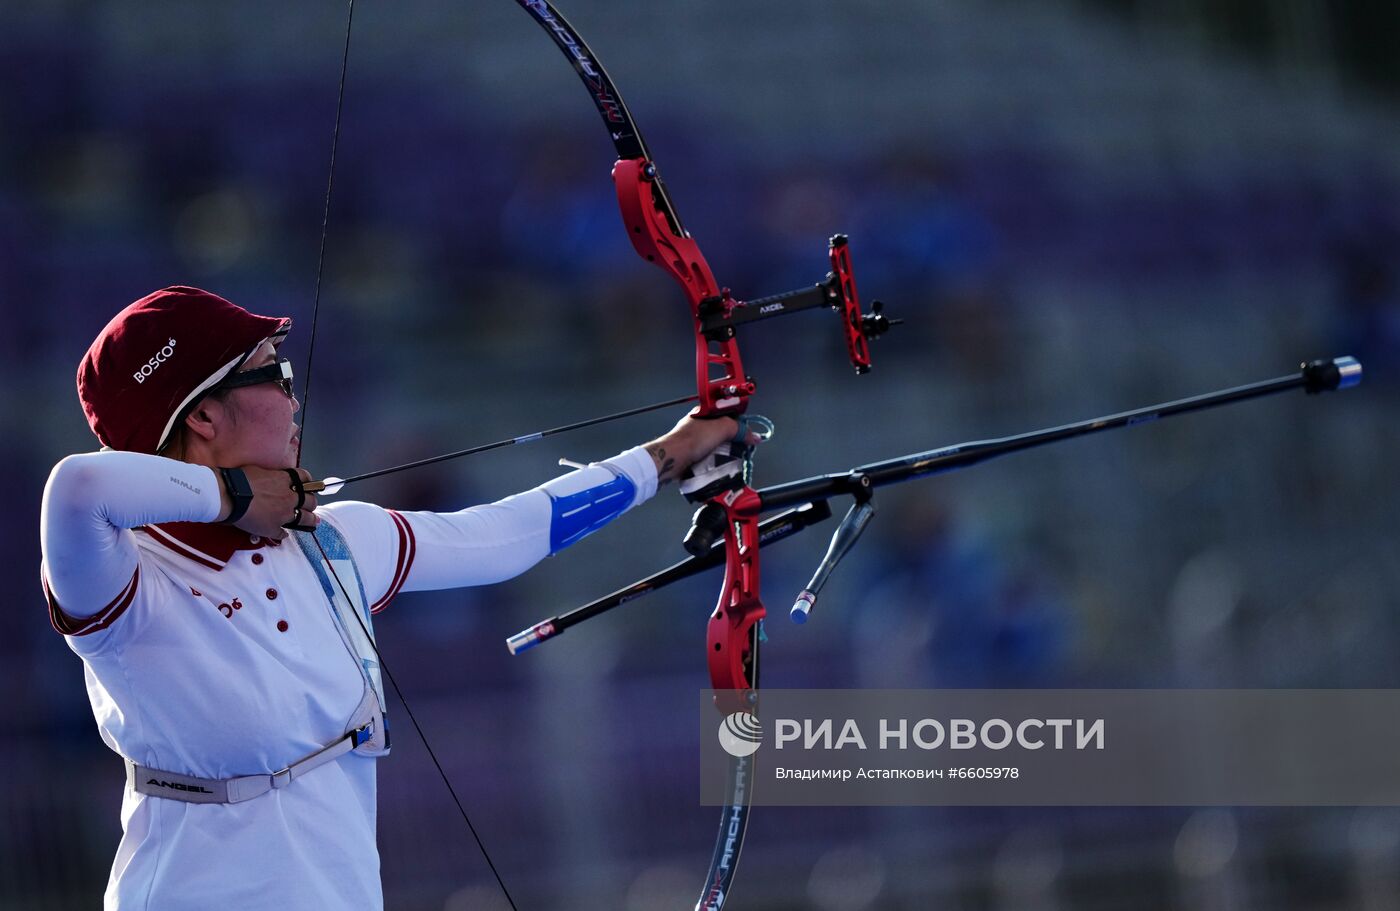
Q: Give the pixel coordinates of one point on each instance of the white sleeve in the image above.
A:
(420, 551)
(90, 502)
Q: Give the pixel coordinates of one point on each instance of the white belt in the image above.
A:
(191, 789)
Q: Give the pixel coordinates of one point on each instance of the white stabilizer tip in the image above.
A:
(802, 607)
(529, 638)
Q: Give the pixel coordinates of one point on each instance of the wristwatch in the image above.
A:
(239, 491)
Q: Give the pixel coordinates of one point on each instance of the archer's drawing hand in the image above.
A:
(275, 503)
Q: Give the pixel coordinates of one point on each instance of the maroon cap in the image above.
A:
(158, 357)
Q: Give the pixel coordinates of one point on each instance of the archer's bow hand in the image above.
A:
(278, 501)
(727, 466)
(689, 442)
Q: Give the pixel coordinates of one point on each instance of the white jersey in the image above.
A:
(217, 656)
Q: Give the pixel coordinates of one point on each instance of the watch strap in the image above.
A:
(240, 493)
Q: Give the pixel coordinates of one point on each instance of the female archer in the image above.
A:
(223, 615)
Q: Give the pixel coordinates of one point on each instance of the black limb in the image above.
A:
(733, 825)
(626, 137)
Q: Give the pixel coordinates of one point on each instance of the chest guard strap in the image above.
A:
(330, 557)
(191, 789)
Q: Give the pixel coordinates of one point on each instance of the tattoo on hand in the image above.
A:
(665, 466)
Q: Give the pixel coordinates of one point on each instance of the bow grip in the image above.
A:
(735, 627)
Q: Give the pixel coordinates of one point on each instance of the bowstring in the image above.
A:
(305, 401)
(388, 675)
(325, 225)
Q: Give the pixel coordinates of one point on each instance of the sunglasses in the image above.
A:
(279, 373)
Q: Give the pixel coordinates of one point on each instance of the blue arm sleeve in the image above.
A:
(577, 515)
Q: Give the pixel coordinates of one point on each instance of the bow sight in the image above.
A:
(719, 314)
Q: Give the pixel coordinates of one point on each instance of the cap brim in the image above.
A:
(279, 335)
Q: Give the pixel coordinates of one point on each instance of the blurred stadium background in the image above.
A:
(1077, 207)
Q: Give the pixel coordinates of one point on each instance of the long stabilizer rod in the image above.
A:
(809, 495)
(1314, 377)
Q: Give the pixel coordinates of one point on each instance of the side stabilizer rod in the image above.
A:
(770, 530)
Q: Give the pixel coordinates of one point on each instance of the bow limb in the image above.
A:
(733, 636)
(735, 627)
(722, 388)
(732, 507)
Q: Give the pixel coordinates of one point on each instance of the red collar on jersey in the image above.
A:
(211, 545)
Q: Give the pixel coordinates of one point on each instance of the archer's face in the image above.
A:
(260, 429)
